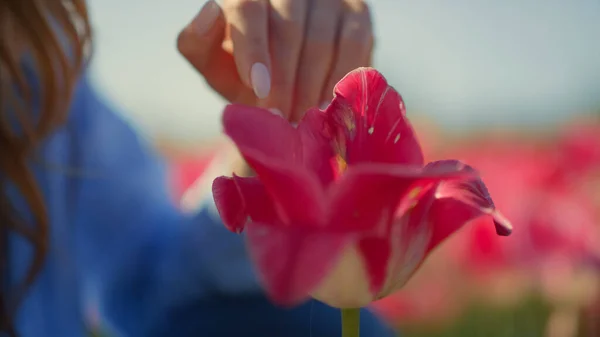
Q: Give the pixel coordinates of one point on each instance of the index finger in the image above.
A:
(248, 20)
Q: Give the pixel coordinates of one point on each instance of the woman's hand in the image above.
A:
(278, 54)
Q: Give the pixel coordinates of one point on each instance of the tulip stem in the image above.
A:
(350, 322)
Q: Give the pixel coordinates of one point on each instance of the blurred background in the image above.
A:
(511, 87)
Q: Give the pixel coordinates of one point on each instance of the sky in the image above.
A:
(464, 63)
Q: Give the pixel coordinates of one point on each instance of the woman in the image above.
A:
(86, 220)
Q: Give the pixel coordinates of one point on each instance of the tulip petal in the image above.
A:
(471, 192)
(291, 261)
(367, 196)
(459, 201)
(238, 199)
(376, 253)
(373, 192)
(366, 201)
(410, 235)
(258, 132)
(292, 163)
(447, 216)
(367, 118)
(439, 212)
(230, 204)
(263, 132)
(298, 198)
(317, 151)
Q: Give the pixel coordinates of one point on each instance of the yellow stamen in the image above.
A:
(341, 163)
(414, 192)
(349, 121)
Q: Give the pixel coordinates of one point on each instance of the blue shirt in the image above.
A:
(119, 244)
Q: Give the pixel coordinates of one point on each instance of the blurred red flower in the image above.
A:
(555, 217)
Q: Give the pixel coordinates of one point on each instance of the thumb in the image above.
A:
(203, 36)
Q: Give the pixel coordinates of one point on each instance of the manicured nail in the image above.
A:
(276, 112)
(261, 80)
(205, 20)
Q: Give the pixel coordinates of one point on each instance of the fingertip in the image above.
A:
(206, 18)
(248, 23)
(199, 38)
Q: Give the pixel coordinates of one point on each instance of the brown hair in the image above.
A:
(54, 35)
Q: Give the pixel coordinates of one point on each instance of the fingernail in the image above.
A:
(276, 112)
(261, 80)
(205, 20)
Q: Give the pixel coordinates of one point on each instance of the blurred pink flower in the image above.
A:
(555, 218)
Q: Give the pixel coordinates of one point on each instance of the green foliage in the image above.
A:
(526, 320)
